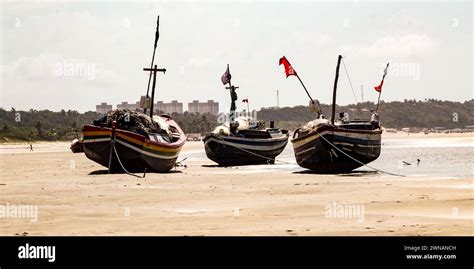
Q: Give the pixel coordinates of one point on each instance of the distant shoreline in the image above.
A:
(401, 134)
(398, 134)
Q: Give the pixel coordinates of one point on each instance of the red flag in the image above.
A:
(245, 100)
(288, 68)
(379, 87)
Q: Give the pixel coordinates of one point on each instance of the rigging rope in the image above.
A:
(349, 78)
(353, 92)
(354, 159)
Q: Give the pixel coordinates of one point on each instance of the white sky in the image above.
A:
(429, 46)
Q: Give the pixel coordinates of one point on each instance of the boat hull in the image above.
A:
(312, 151)
(77, 146)
(233, 151)
(136, 153)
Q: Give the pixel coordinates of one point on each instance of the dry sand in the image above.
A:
(200, 200)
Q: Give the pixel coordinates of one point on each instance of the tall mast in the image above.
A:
(335, 89)
(157, 36)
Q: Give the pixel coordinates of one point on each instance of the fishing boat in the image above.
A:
(337, 145)
(121, 150)
(337, 148)
(131, 141)
(243, 140)
(246, 147)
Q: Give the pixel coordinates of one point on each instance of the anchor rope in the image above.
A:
(125, 170)
(354, 159)
(261, 156)
(180, 163)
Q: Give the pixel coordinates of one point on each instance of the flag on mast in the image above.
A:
(157, 33)
(379, 87)
(246, 101)
(226, 77)
(289, 71)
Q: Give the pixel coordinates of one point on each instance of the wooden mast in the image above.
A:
(153, 71)
(335, 89)
(157, 36)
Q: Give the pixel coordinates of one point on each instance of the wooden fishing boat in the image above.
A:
(243, 140)
(337, 146)
(246, 146)
(132, 141)
(153, 152)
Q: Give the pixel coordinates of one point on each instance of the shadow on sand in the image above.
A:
(105, 172)
(348, 174)
(219, 166)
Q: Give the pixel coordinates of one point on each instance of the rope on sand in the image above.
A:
(180, 163)
(354, 159)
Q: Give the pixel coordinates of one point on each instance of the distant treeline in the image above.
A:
(36, 125)
(429, 113)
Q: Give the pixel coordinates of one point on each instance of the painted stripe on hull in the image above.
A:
(134, 138)
(95, 140)
(260, 147)
(373, 139)
(161, 156)
(146, 151)
(255, 140)
(359, 145)
(137, 143)
(227, 153)
(131, 159)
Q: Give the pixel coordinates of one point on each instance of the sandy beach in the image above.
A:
(75, 197)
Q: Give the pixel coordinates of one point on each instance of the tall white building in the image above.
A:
(168, 108)
(210, 107)
(126, 105)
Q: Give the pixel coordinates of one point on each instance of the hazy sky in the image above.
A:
(74, 55)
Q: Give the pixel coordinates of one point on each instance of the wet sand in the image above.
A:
(74, 197)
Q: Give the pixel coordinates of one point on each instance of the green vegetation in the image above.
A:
(47, 125)
(36, 125)
(195, 123)
(409, 113)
